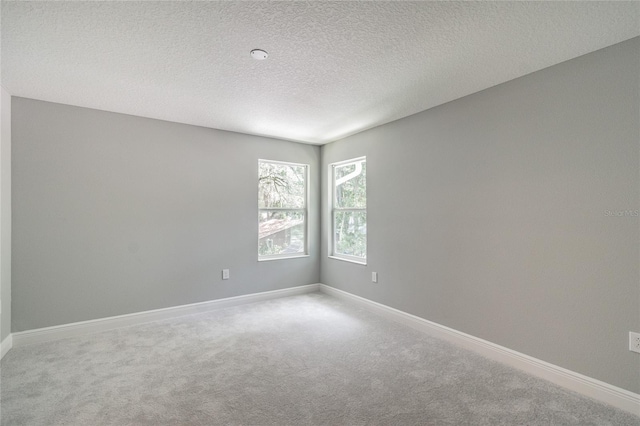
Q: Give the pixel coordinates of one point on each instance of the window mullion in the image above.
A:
(281, 209)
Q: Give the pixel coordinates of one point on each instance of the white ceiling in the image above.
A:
(334, 68)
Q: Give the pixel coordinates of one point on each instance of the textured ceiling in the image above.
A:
(334, 68)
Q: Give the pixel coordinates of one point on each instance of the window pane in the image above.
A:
(281, 185)
(351, 233)
(351, 188)
(280, 232)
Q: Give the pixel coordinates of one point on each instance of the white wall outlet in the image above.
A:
(634, 342)
(225, 274)
(374, 277)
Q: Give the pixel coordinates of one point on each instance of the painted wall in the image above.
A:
(497, 214)
(5, 213)
(116, 214)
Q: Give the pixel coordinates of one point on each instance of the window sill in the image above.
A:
(357, 262)
(269, 259)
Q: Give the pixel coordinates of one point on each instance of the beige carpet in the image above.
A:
(303, 360)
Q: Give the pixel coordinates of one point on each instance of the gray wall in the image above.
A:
(488, 214)
(5, 212)
(116, 214)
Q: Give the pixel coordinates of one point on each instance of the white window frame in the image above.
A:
(305, 212)
(333, 209)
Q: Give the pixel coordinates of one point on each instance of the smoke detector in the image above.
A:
(259, 54)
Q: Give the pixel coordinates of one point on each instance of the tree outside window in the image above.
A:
(282, 209)
(349, 210)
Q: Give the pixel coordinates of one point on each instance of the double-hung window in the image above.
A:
(282, 209)
(349, 210)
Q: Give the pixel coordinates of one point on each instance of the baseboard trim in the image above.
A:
(102, 324)
(593, 388)
(6, 345)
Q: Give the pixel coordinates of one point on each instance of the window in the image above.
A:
(282, 209)
(349, 210)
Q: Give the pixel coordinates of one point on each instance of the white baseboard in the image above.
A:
(576, 382)
(102, 324)
(5, 345)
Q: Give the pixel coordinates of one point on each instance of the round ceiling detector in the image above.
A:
(259, 54)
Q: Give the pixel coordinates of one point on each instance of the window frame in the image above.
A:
(333, 209)
(304, 210)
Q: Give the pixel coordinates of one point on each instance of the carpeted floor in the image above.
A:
(303, 360)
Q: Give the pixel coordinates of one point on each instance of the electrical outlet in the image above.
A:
(225, 274)
(634, 342)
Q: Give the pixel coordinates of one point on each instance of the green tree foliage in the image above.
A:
(351, 193)
(281, 186)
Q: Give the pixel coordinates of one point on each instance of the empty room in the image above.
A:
(319, 213)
